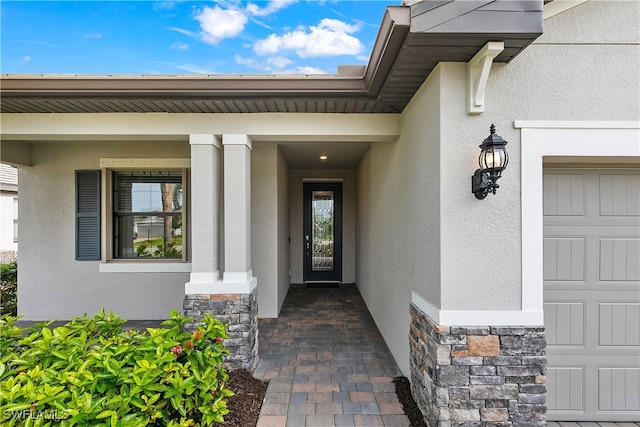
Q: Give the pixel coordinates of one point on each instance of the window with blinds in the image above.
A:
(148, 214)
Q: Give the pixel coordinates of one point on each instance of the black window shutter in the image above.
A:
(88, 215)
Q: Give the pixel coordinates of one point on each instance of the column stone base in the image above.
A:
(476, 376)
(240, 313)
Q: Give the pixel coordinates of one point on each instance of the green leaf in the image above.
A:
(143, 364)
(200, 357)
(46, 333)
(106, 413)
(60, 355)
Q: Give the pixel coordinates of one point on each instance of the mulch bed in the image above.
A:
(403, 390)
(244, 406)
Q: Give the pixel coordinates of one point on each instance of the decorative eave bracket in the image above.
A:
(478, 73)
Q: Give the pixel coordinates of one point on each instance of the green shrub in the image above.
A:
(91, 372)
(9, 288)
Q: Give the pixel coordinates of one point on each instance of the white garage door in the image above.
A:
(592, 294)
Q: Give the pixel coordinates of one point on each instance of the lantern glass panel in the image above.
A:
(493, 157)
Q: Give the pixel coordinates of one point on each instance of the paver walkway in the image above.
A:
(326, 363)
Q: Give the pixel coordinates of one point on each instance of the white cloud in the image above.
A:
(272, 7)
(279, 61)
(218, 24)
(338, 26)
(275, 64)
(182, 31)
(93, 36)
(179, 46)
(166, 5)
(330, 37)
(249, 62)
(26, 59)
(196, 69)
(308, 70)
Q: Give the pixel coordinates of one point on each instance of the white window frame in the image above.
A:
(110, 264)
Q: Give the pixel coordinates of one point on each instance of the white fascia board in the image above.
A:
(268, 127)
(559, 6)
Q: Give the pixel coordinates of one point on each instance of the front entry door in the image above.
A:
(322, 232)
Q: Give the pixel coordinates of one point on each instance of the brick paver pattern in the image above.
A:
(326, 363)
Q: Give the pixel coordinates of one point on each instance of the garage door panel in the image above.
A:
(564, 195)
(619, 324)
(619, 195)
(619, 389)
(564, 324)
(565, 385)
(581, 388)
(592, 294)
(619, 259)
(564, 259)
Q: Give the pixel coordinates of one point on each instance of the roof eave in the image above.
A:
(410, 43)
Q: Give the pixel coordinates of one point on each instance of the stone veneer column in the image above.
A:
(233, 300)
(476, 376)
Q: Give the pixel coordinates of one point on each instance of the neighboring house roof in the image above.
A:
(8, 178)
(410, 43)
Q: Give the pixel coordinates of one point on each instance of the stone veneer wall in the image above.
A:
(240, 313)
(490, 376)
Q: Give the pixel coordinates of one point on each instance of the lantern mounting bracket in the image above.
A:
(478, 69)
(481, 185)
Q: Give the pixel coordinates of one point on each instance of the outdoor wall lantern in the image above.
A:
(493, 159)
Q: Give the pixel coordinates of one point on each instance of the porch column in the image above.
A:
(237, 213)
(205, 193)
(231, 299)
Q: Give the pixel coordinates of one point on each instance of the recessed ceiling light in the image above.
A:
(323, 157)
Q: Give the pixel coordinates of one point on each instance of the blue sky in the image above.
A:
(187, 37)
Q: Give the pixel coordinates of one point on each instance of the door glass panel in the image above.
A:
(322, 203)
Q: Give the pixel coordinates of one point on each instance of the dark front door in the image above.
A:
(322, 232)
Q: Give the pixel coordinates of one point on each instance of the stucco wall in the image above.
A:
(399, 220)
(481, 246)
(348, 220)
(270, 226)
(283, 230)
(52, 284)
(579, 69)
(264, 226)
(419, 226)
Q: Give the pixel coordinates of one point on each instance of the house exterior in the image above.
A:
(510, 310)
(8, 210)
